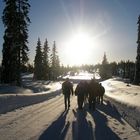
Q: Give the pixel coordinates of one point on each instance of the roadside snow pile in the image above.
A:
(13, 97)
(10, 102)
(35, 86)
(123, 96)
(5, 89)
(126, 99)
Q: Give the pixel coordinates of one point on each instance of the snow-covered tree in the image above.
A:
(38, 62)
(137, 65)
(15, 49)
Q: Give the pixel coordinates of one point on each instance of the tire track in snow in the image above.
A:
(29, 117)
(30, 110)
(78, 124)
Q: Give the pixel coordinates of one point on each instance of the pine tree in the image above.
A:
(9, 12)
(104, 69)
(15, 49)
(46, 68)
(137, 65)
(55, 63)
(113, 67)
(57, 66)
(104, 62)
(38, 62)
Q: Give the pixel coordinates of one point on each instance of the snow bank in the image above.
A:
(130, 113)
(126, 99)
(5, 89)
(10, 102)
(13, 97)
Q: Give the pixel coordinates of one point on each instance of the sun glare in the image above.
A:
(78, 49)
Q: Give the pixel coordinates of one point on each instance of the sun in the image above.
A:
(78, 48)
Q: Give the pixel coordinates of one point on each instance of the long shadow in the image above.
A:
(57, 130)
(102, 131)
(81, 127)
(110, 110)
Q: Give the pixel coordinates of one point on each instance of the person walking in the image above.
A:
(101, 93)
(81, 92)
(67, 89)
(93, 93)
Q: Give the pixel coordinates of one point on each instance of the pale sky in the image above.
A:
(84, 29)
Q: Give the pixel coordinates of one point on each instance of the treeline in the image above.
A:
(46, 62)
(47, 66)
(123, 69)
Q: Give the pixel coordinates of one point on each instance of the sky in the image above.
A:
(83, 29)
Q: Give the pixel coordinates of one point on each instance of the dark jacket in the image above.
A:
(93, 89)
(102, 90)
(67, 88)
(81, 89)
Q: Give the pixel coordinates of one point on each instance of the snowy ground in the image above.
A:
(126, 98)
(45, 118)
(32, 92)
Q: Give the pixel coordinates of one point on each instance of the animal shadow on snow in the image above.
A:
(57, 130)
(102, 131)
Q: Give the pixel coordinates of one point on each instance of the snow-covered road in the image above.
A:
(49, 121)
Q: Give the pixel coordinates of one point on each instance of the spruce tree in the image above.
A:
(46, 68)
(9, 12)
(15, 49)
(38, 62)
(137, 65)
(57, 66)
(104, 69)
(55, 63)
(104, 62)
